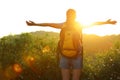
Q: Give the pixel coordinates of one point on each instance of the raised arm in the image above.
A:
(105, 22)
(54, 25)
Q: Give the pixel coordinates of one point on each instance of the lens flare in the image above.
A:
(46, 49)
(17, 68)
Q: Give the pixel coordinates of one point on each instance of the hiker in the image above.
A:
(70, 47)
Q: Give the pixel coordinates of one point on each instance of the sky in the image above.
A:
(14, 13)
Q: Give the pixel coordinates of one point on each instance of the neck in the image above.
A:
(70, 21)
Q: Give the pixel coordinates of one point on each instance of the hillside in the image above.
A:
(92, 43)
(31, 56)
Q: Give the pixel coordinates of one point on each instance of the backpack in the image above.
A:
(70, 43)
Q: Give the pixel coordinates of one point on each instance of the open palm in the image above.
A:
(109, 21)
(30, 23)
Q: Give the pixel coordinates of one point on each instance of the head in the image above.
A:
(71, 15)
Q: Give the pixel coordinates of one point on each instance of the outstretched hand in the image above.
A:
(30, 23)
(111, 22)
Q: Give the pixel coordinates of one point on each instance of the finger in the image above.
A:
(108, 20)
(27, 22)
(115, 21)
(31, 21)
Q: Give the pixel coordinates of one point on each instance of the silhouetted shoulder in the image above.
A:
(78, 25)
(59, 25)
(63, 24)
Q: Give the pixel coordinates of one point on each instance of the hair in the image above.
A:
(71, 11)
(70, 15)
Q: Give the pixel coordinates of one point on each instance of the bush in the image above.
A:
(36, 56)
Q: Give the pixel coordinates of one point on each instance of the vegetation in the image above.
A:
(32, 56)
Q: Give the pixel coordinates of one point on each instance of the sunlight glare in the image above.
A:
(101, 30)
(17, 68)
(46, 49)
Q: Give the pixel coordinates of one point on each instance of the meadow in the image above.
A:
(32, 56)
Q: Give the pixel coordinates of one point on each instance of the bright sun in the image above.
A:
(100, 30)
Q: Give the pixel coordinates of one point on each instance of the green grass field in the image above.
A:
(32, 56)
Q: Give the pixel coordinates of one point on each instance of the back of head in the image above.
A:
(71, 14)
(71, 11)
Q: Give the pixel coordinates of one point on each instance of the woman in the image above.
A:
(66, 63)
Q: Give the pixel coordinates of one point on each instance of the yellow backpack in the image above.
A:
(70, 41)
